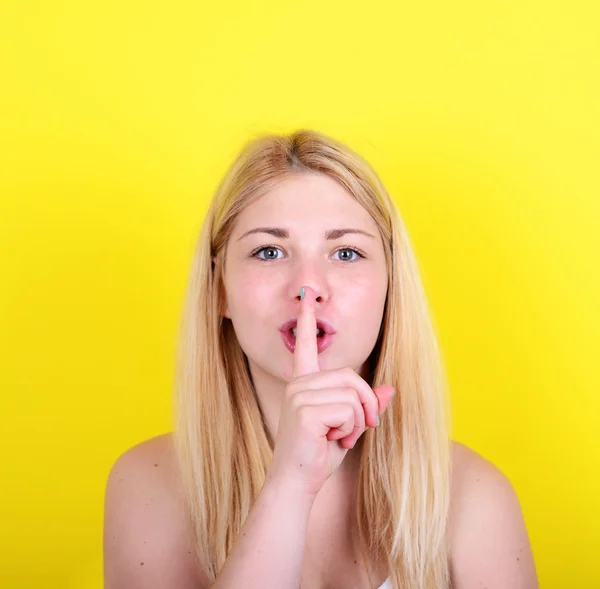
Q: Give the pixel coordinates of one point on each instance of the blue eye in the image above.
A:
(271, 248)
(262, 249)
(349, 249)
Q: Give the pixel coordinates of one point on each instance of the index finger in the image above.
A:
(306, 352)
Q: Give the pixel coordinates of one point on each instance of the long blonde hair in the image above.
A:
(222, 445)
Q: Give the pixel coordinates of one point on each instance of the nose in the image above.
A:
(316, 292)
(312, 277)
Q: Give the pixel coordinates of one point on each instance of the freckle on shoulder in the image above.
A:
(475, 477)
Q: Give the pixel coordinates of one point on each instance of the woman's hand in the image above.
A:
(323, 413)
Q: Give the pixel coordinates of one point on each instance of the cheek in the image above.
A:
(363, 300)
(361, 292)
(249, 294)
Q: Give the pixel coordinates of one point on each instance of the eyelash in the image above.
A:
(266, 247)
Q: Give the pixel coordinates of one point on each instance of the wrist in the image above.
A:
(289, 491)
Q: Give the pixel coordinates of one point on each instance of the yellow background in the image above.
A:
(119, 118)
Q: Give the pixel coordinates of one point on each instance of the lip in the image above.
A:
(290, 342)
(326, 327)
(322, 342)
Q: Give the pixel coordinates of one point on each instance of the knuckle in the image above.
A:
(296, 401)
(349, 422)
(303, 415)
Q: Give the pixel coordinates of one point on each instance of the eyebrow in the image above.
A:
(284, 233)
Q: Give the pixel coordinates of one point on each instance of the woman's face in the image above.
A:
(264, 273)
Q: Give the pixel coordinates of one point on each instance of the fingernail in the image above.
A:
(302, 293)
(378, 421)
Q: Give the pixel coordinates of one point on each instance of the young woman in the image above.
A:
(311, 447)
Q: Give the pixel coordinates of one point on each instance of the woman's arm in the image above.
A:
(269, 551)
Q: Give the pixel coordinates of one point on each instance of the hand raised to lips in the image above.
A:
(323, 412)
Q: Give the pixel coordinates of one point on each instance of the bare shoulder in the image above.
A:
(146, 538)
(489, 544)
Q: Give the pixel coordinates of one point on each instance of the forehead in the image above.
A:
(307, 198)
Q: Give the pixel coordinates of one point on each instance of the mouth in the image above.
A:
(324, 335)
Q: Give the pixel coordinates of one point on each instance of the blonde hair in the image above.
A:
(221, 441)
